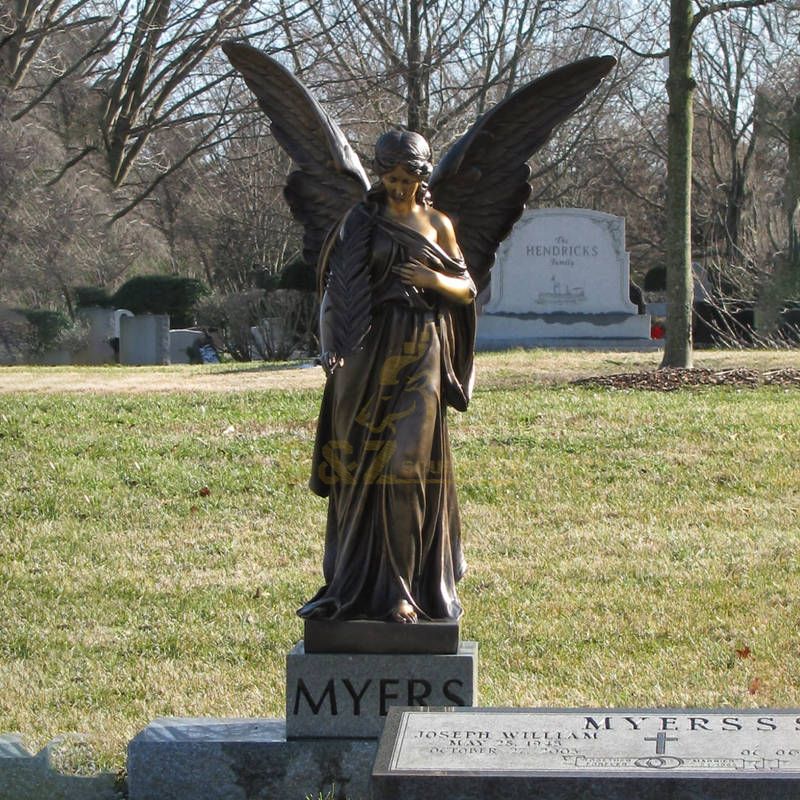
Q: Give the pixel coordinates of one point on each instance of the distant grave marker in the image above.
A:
(144, 339)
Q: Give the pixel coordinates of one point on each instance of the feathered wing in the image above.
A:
(482, 181)
(346, 312)
(328, 178)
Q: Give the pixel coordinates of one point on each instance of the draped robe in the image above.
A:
(382, 453)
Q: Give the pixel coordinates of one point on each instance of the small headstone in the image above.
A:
(144, 339)
(563, 273)
(181, 342)
(486, 753)
(119, 315)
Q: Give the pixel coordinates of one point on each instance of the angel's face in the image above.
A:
(400, 183)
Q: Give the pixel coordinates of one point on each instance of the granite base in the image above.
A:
(508, 330)
(238, 759)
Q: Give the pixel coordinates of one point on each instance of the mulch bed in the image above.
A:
(667, 380)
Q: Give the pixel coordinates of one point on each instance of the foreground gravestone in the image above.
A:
(570, 754)
(563, 273)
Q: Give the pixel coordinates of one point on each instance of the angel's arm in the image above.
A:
(457, 289)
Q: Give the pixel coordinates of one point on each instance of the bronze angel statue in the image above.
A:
(400, 263)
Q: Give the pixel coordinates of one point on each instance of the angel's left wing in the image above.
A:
(328, 178)
(482, 181)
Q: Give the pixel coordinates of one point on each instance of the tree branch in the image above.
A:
(622, 43)
(715, 8)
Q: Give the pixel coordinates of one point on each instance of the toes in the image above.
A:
(404, 613)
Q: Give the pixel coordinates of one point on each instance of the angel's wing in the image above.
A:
(328, 178)
(482, 181)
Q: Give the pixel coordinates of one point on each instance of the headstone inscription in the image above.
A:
(341, 695)
(640, 754)
(563, 273)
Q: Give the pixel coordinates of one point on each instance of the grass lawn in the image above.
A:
(625, 547)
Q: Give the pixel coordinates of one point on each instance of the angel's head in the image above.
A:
(403, 151)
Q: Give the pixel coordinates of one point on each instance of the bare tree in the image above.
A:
(683, 23)
(430, 64)
(781, 104)
(140, 67)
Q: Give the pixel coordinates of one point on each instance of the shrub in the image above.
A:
(285, 320)
(656, 279)
(89, 296)
(232, 315)
(47, 327)
(17, 336)
(75, 337)
(162, 294)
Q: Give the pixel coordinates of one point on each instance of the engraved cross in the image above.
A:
(661, 740)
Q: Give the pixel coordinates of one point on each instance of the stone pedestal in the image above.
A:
(348, 695)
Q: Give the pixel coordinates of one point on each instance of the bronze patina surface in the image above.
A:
(399, 265)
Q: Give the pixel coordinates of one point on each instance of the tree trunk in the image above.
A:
(680, 88)
(785, 278)
(793, 194)
(417, 113)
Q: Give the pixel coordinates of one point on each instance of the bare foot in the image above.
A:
(404, 612)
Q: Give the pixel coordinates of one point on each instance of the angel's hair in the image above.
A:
(403, 148)
(400, 148)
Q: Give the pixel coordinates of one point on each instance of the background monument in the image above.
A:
(563, 274)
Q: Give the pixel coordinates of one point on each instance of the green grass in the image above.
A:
(622, 547)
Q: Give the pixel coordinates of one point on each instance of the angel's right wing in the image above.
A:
(328, 178)
(482, 181)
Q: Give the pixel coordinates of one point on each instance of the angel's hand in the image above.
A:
(329, 361)
(451, 287)
(416, 274)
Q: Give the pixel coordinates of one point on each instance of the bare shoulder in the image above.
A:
(440, 221)
(445, 233)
